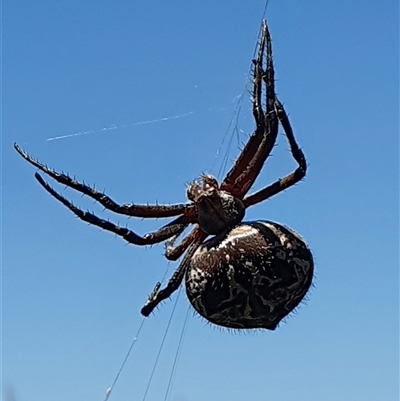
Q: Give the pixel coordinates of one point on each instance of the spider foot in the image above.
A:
(152, 301)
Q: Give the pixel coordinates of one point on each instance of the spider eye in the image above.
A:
(209, 181)
(193, 191)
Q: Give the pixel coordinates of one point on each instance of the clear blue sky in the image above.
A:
(72, 293)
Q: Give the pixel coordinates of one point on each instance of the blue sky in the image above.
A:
(110, 76)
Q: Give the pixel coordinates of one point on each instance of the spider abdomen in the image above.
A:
(250, 277)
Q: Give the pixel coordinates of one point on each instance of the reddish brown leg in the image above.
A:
(174, 253)
(251, 159)
(290, 179)
(162, 234)
(127, 209)
(175, 281)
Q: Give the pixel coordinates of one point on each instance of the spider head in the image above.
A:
(217, 210)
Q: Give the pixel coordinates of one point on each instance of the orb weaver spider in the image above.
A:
(248, 274)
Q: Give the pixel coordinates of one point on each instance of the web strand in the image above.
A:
(109, 390)
(115, 127)
(161, 346)
(177, 354)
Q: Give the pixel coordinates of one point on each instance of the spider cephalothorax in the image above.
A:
(248, 275)
(216, 210)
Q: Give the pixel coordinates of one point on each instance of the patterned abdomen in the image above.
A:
(251, 277)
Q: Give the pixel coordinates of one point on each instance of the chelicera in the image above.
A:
(248, 274)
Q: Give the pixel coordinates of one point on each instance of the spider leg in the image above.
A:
(175, 281)
(162, 234)
(174, 253)
(297, 154)
(172, 229)
(126, 209)
(251, 159)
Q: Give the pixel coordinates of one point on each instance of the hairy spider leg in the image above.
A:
(254, 140)
(290, 179)
(252, 158)
(130, 209)
(175, 252)
(160, 235)
(175, 281)
(270, 123)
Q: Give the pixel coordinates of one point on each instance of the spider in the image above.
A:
(248, 274)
